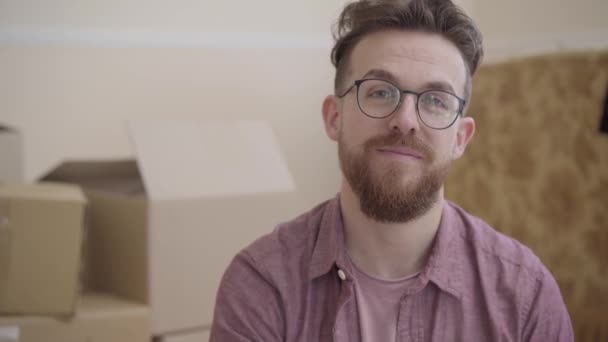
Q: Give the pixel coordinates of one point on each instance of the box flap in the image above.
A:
(108, 175)
(43, 191)
(71, 170)
(4, 129)
(195, 159)
(11, 155)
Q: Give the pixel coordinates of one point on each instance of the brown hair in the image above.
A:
(435, 16)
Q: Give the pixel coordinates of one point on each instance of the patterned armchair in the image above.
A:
(537, 170)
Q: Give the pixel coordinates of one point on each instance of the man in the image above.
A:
(389, 259)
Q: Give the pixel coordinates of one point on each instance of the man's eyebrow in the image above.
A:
(439, 85)
(388, 76)
(381, 74)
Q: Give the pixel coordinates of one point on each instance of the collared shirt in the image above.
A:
(296, 284)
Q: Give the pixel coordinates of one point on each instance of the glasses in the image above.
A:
(379, 99)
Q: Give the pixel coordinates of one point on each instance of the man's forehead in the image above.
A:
(410, 57)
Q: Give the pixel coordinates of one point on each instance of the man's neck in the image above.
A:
(388, 250)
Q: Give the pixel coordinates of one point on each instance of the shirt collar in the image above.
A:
(444, 267)
(329, 247)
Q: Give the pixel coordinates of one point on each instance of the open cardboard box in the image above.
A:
(164, 227)
(11, 155)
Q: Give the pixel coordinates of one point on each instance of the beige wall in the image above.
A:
(73, 102)
(520, 27)
(301, 16)
(73, 72)
(521, 18)
(189, 15)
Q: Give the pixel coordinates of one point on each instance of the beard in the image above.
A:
(383, 195)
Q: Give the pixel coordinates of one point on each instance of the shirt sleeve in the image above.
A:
(547, 318)
(248, 307)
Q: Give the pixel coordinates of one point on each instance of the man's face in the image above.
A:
(397, 165)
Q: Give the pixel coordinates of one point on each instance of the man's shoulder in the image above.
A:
(511, 276)
(291, 239)
(494, 248)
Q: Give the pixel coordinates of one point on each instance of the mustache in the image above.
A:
(396, 139)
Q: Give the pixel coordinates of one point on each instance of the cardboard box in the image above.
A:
(11, 155)
(41, 228)
(191, 336)
(163, 228)
(99, 318)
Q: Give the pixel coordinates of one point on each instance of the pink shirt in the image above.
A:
(378, 304)
(295, 284)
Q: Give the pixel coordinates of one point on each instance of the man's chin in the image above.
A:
(400, 175)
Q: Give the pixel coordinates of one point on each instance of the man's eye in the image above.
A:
(434, 101)
(381, 93)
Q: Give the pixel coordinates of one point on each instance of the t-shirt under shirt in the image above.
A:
(378, 304)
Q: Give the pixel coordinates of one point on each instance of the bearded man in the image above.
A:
(389, 259)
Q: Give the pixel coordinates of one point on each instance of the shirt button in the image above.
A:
(341, 274)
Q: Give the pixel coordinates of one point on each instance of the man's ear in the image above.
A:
(465, 131)
(331, 117)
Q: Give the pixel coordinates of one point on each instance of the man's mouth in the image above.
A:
(400, 151)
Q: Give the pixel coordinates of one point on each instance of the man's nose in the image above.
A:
(405, 117)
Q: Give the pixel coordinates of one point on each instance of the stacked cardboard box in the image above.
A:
(41, 230)
(41, 240)
(163, 227)
(98, 318)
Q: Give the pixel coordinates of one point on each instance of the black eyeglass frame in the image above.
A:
(358, 83)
